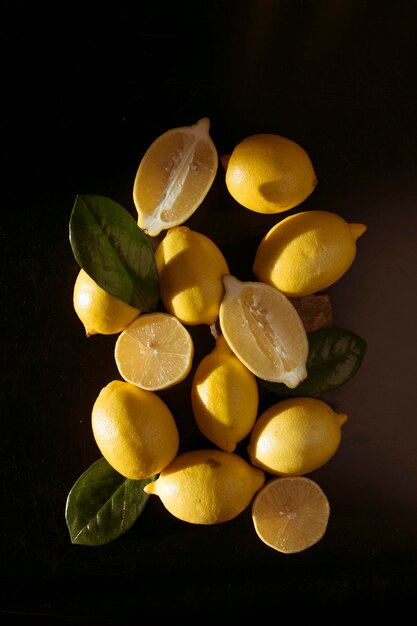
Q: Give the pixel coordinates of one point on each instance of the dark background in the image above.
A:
(84, 93)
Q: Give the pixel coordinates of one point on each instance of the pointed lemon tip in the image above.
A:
(357, 230)
(215, 330)
(259, 478)
(89, 331)
(203, 124)
(222, 345)
(230, 282)
(150, 488)
(342, 418)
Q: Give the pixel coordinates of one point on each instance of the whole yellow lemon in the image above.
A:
(306, 252)
(224, 397)
(190, 268)
(207, 486)
(99, 311)
(268, 173)
(134, 430)
(295, 436)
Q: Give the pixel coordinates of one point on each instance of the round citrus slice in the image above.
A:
(174, 176)
(264, 330)
(290, 514)
(154, 352)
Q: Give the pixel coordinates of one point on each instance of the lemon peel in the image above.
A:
(224, 397)
(295, 436)
(268, 173)
(134, 430)
(100, 312)
(264, 330)
(290, 514)
(307, 252)
(174, 176)
(190, 268)
(207, 486)
(154, 352)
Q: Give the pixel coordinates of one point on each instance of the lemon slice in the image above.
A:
(264, 330)
(290, 514)
(174, 176)
(154, 352)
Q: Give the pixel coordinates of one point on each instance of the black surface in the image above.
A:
(85, 91)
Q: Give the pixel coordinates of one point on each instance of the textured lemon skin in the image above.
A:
(190, 268)
(207, 486)
(134, 430)
(99, 311)
(224, 397)
(295, 436)
(306, 252)
(268, 173)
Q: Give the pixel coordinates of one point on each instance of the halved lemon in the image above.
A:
(174, 176)
(290, 514)
(154, 352)
(264, 330)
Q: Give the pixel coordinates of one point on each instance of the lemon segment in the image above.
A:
(295, 436)
(207, 486)
(290, 514)
(264, 330)
(268, 173)
(100, 312)
(307, 252)
(224, 397)
(134, 430)
(190, 269)
(174, 176)
(155, 352)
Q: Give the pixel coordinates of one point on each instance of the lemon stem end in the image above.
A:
(357, 230)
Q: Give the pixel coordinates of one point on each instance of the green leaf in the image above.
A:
(334, 356)
(103, 504)
(109, 245)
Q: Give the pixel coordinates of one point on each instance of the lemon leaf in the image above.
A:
(109, 245)
(334, 357)
(103, 504)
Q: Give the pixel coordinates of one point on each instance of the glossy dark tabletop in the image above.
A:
(85, 92)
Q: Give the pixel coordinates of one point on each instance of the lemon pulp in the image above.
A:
(154, 352)
(264, 330)
(174, 176)
(290, 514)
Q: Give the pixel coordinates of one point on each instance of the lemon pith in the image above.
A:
(290, 514)
(174, 176)
(264, 330)
(155, 352)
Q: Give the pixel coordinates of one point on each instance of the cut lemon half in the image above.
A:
(264, 330)
(290, 514)
(154, 352)
(174, 176)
